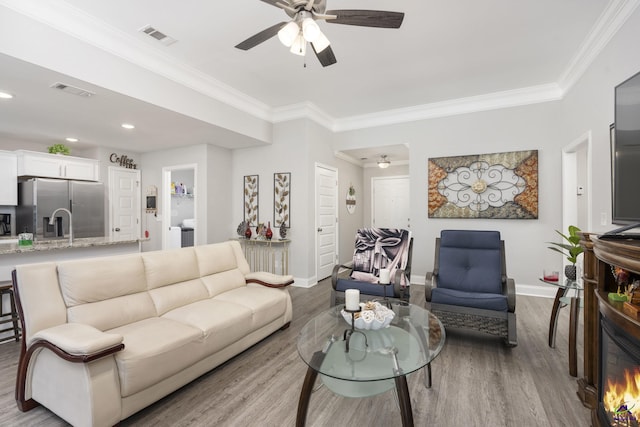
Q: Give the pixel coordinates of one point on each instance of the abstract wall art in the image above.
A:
(498, 185)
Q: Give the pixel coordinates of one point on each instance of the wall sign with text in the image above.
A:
(123, 160)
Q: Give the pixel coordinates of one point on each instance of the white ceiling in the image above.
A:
(444, 51)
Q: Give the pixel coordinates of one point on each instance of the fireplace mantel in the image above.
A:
(599, 255)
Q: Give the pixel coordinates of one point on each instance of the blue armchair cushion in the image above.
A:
(470, 261)
(495, 302)
(364, 287)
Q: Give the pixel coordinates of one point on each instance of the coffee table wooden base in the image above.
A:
(404, 400)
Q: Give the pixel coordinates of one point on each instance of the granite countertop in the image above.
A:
(10, 246)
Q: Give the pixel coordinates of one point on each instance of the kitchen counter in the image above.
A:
(59, 250)
(11, 245)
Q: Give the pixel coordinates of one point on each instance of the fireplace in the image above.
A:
(619, 380)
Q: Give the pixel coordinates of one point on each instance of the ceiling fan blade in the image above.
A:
(366, 18)
(326, 57)
(262, 36)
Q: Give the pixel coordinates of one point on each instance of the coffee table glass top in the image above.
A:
(414, 338)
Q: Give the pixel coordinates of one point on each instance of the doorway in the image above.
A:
(576, 185)
(390, 204)
(124, 204)
(326, 179)
(179, 206)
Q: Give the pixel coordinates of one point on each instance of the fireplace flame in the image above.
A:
(622, 399)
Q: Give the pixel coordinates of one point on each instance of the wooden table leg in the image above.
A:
(574, 316)
(404, 401)
(307, 388)
(553, 322)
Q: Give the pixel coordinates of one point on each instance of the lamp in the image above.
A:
(310, 29)
(288, 33)
(299, 46)
(302, 29)
(383, 163)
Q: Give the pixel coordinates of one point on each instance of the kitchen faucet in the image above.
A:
(53, 217)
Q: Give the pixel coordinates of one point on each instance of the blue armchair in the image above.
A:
(376, 248)
(469, 287)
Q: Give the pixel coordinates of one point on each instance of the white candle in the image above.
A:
(385, 277)
(352, 299)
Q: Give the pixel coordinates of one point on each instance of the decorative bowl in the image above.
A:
(373, 316)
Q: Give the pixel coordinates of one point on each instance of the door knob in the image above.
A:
(117, 229)
(319, 229)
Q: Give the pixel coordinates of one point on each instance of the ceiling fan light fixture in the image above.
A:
(321, 43)
(289, 33)
(383, 163)
(299, 46)
(310, 30)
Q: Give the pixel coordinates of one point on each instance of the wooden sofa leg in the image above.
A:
(285, 326)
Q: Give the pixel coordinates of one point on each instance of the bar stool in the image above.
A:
(8, 317)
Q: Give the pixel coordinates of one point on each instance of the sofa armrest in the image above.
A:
(73, 342)
(79, 340)
(269, 279)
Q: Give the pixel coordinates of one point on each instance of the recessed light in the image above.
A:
(128, 126)
(5, 95)
(71, 139)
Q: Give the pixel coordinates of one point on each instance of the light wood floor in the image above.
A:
(476, 382)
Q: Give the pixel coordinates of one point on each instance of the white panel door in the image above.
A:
(326, 220)
(124, 201)
(391, 204)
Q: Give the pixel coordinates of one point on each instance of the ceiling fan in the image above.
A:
(302, 27)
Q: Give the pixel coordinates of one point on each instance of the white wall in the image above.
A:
(349, 174)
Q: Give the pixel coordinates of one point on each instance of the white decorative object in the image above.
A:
(373, 316)
(385, 276)
(352, 299)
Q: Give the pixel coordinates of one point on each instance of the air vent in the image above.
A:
(158, 35)
(73, 90)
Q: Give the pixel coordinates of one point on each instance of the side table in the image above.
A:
(569, 292)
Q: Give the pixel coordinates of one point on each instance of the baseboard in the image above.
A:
(304, 283)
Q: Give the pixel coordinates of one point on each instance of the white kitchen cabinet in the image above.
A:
(46, 165)
(8, 178)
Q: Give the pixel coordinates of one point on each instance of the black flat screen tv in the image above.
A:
(625, 155)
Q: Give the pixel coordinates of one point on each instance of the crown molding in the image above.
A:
(76, 23)
(472, 104)
(610, 21)
(302, 110)
(347, 158)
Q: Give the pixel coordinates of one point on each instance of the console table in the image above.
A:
(267, 255)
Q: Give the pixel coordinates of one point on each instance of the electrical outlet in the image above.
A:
(603, 218)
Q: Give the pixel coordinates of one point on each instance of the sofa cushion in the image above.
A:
(170, 266)
(172, 296)
(155, 349)
(221, 323)
(225, 281)
(219, 257)
(114, 312)
(97, 279)
(266, 304)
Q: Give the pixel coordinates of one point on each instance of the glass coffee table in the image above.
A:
(376, 360)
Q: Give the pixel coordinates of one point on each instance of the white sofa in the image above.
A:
(106, 337)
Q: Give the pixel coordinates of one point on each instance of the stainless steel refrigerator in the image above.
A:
(38, 198)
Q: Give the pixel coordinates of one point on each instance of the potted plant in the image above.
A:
(59, 149)
(571, 249)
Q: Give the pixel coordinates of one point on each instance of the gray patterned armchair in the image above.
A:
(469, 287)
(376, 248)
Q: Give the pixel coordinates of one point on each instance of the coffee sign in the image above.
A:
(123, 161)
